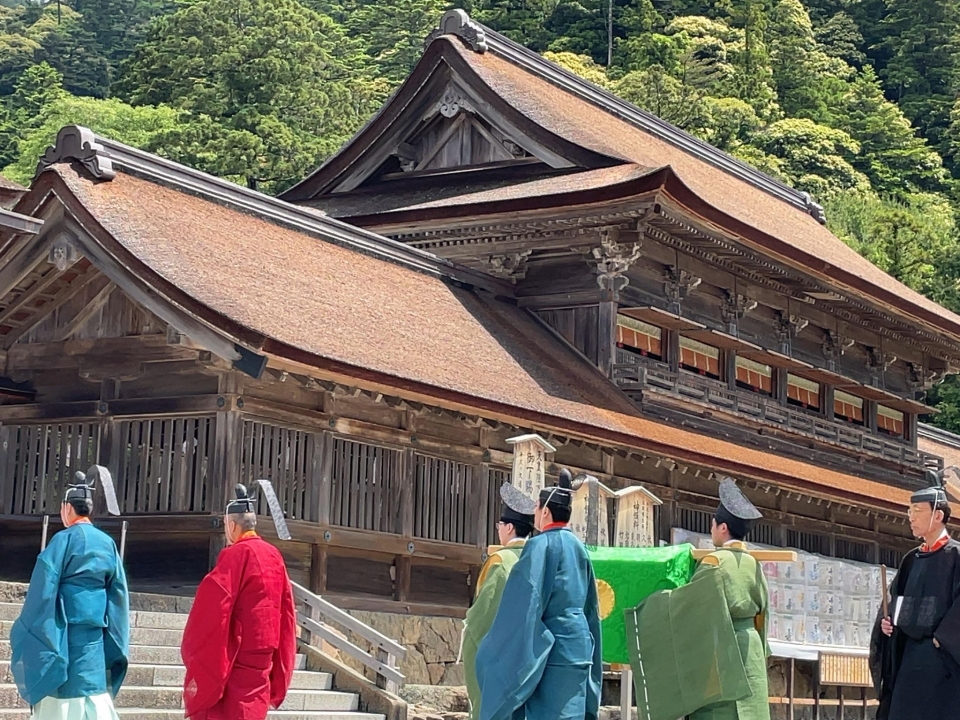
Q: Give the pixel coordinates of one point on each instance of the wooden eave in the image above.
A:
(672, 192)
(439, 65)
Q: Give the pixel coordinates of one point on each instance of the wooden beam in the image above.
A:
(61, 298)
(42, 283)
(86, 312)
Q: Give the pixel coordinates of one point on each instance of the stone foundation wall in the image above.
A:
(432, 645)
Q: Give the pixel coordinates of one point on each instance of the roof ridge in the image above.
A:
(102, 158)
(932, 432)
(481, 39)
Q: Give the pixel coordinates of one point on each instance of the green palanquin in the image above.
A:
(480, 616)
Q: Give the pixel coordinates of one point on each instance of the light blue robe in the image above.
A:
(72, 636)
(541, 659)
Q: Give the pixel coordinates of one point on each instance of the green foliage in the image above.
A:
(111, 118)
(268, 88)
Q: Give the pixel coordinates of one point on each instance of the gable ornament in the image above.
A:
(458, 23)
(78, 144)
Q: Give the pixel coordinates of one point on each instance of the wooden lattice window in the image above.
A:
(765, 533)
(852, 550)
(445, 495)
(39, 461)
(494, 505)
(809, 542)
(285, 457)
(365, 486)
(890, 557)
(163, 465)
(698, 521)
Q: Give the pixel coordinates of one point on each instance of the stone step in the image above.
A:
(153, 714)
(158, 620)
(172, 676)
(133, 696)
(154, 637)
(146, 655)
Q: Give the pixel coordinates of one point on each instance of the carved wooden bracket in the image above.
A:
(734, 307)
(614, 258)
(788, 327)
(677, 285)
(834, 346)
(511, 266)
(78, 144)
(459, 24)
(921, 378)
(879, 362)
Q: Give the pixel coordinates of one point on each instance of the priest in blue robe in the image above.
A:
(541, 659)
(69, 645)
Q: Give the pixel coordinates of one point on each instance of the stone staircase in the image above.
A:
(152, 689)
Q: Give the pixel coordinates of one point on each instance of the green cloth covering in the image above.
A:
(683, 650)
(633, 574)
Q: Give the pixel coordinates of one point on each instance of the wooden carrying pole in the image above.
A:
(883, 591)
(789, 556)
(46, 528)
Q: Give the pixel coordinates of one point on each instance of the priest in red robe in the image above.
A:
(239, 645)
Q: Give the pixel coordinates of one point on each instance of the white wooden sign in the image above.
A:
(530, 463)
(580, 512)
(635, 517)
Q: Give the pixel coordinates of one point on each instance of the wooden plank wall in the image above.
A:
(365, 486)
(286, 457)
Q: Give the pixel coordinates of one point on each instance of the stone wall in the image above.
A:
(432, 644)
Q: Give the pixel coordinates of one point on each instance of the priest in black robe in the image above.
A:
(915, 649)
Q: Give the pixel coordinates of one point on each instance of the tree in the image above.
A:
(895, 158)
(110, 118)
(813, 157)
(921, 75)
(274, 86)
(912, 239)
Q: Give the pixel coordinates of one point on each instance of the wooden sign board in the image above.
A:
(849, 670)
(635, 517)
(529, 463)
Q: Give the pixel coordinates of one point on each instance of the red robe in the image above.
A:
(239, 645)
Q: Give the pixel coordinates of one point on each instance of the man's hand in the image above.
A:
(886, 626)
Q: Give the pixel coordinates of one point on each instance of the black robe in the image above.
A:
(914, 679)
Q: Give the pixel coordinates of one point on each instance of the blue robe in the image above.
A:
(541, 659)
(72, 635)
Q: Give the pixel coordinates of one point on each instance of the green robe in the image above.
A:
(480, 616)
(745, 590)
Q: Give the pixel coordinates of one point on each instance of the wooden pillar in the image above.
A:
(670, 340)
(730, 368)
(318, 568)
(816, 692)
(910, 428)
(791, 672)
(323, 476)
(607, 333)
(780, 385)
(8, 452)
(401, 586)
(483, 505)
(226, 457)
(108, 447)
(826, 401)
(870, 415)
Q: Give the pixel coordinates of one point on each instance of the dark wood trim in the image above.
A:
(127, 407)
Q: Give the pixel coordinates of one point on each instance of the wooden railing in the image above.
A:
(636, 374)
(317, 617)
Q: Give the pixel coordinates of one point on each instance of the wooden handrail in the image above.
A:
(388, 651)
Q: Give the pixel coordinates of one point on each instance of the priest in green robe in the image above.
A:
(515, 526)
(701, 650)
(745, 590)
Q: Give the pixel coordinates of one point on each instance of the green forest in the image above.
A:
(854, 101)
